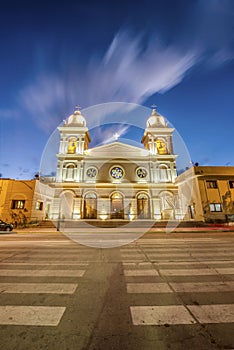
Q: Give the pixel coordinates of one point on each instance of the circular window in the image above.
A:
(141, 173)
(117, 172)
(91, 172)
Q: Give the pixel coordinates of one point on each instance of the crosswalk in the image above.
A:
(167, 281)
(41, 273)
(197, 274)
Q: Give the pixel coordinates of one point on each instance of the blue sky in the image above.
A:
(56, 54)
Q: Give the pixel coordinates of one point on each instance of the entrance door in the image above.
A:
(90, 206)
(117, 210)
(143, 208)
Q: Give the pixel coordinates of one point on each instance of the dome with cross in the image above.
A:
(156, 120)
(76, 119)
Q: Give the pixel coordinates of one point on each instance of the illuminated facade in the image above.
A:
(116, 180)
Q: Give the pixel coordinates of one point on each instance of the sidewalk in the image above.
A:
(215, 228)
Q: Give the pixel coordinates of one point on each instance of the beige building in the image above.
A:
(212, 197)
(115, 181)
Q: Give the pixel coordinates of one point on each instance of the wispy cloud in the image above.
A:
(126, 73)
(133, 68)
(109, 134)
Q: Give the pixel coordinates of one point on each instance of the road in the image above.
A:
(163, 291)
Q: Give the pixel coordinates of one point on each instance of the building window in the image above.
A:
(39, 205)
(70, 172)
(215, 207)
(163, 173)
(117, 172)
(18, 204)
(231, 184)
(191, 211)
(211, 184)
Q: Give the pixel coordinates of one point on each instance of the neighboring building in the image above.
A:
(212, 195)
(21, 201)
(115, 181)
(16, 198)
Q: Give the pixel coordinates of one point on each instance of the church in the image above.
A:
(115, 181)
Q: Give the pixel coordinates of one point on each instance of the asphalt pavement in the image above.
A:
(162, 291)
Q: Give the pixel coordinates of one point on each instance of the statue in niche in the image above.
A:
(161, 146)
(72, 144)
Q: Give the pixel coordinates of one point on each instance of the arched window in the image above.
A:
(168, 204)
(90, 206)
(66, 208)
(72, 144)
(163, 173)
(117, 209)
(161, 146)
(143, 206)
(70, 172)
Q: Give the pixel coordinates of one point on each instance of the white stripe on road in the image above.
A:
(42, 273)
(203, 287)
(54, 288)
(188, 272)
(140, 272)
(138, 264)
(178, 314)
(159, 315)
(226, 271)
(213, 313)
(45, 264)
(148, 288)
(31, 315)
(192, 262)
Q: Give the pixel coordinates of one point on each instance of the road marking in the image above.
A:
(45, 264)
(142, 272)
(198, 287)
(42, 273)
(192, 262)
(53, 288)
(31, 315)
(139, 264)
(213, 313)
(160, 315)
(188, 272)
(226, 270)
(148, 288)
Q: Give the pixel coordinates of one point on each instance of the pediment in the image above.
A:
(118, 149)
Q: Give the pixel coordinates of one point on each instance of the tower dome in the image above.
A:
(156, 120)
(76, 119)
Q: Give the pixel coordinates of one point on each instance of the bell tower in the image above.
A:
(157, 139)
(74, 142)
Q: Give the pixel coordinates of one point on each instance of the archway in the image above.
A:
(168, 203)
(90, 206)
(66, 209)
(143, 206)
(117, 208)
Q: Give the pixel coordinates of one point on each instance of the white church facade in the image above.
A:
(115, 181)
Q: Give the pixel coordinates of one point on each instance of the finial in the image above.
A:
(116, 136)
(154, 106)
(78, 107)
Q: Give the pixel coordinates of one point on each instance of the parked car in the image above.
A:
(4, 226)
